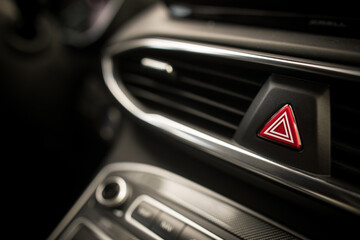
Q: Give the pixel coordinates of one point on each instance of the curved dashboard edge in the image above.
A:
(312, 185)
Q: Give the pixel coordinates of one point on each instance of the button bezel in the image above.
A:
(165, 209)
(119, 199)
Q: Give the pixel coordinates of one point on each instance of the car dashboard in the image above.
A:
(187, 119)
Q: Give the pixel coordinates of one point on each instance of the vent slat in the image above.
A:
(346, 147)
(218, 79)
(345, 173)
(140, 80)
(256, 80)
(346, 108)
(345, 136)
(231, 100)
(185, 99)
(206, 86)
(144, 94)
(199, 92)
(345, 128)
(347, 167)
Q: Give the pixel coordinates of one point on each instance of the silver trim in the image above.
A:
(313, 185)
(120, 197)
(162, 207)
(72, 230)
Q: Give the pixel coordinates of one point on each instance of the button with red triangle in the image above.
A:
(282, 128)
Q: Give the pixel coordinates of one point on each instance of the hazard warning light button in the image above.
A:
(282, 128)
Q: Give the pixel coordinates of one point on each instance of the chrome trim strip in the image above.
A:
(162, 207)
(313, 185)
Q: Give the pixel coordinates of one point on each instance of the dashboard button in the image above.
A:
(84, 233)
(191, 234)
(167, 227)
(113, 192)
(145, 214)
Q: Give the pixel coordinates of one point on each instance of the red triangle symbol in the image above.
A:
(282, 128)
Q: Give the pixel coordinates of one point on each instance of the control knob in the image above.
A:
(112, 192)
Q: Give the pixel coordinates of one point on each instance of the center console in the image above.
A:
(140, 201)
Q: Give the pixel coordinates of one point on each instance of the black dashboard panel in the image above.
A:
(159, 22)
(322, 17)
(301, 7)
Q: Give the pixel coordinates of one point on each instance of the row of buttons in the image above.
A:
(165, 225)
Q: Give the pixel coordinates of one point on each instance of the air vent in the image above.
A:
(345, 132)
(193, 90)
(210, 88)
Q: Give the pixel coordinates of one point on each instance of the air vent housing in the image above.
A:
(212, 94)
(210, 88)
(204, 93)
